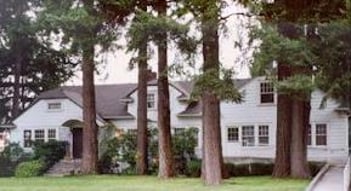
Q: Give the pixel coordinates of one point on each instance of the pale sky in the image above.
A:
(114, 68)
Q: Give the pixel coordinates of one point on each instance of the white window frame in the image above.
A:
(48, 134)
(54, 103)
(263, 136)
(149, 100)
(264, 91)
(228, 135)
(314, 135)
(319, 134)
(29, 138)
(243, 143)
(41, 138)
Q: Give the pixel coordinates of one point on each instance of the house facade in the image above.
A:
(248, 128)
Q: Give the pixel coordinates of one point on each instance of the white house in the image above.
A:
(248, 128)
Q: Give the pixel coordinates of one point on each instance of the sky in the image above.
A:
(114, 66)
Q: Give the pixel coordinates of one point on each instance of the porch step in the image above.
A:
(65, 168)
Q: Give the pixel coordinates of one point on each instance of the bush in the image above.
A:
(30, 169)
(12, 155)
(49, 152)
(193, 168)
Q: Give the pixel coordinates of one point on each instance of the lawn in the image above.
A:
(132, 183)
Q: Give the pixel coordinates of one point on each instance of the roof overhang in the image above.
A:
(7, 126)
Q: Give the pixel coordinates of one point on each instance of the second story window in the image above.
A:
(54, 106)
(266, 92)
(151, 104)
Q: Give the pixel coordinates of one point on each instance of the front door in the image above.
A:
(77, 142)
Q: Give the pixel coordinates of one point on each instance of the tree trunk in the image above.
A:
(142, 143)
(212, 145)
(165, 144)
(282, 156)
(16, 87)
(299, 166)
(90, 129)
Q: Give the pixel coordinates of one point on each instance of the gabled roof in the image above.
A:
(109, 104)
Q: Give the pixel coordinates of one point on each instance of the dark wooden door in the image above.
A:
(77, 142)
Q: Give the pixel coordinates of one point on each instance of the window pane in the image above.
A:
(263, 134)
(248, 135)
(51, 134)
(27, 136)
(39, 135)
(267, 92)
(321, 134)
(309, 135)
(150, 101)
(233, 134)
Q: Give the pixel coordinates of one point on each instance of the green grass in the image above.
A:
(133, 183)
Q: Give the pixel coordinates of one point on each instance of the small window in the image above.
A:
(309, 135)
(132, 131)
(263, 135)
(52, 135)
(39, 135)
(267, 92)
(233, 134)
(151, 101)
(321, 134)
(27, 138)
(178, 131)
(248, 136)
(54, 106)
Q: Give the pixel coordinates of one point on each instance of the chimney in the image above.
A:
(151, 75)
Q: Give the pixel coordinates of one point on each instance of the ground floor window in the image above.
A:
(39, 135)
(233, 134)
(263, 135)
(52, 135)
(317, 134)
(248, 136)
(27, 138)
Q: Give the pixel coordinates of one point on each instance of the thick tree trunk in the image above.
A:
(165, 144)
(16, 87)
(90, 129)
(283, 139)
(298, 156)
(142, 138)
(212, 145)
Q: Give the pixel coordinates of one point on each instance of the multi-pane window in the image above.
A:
(266, 92)
(151, 101)
(248, 135)
(51, 134)
(55, 106)
(321, 134)
(263, 135)
(27, 138)
(233, 134)
(309, 135)
(39, 135)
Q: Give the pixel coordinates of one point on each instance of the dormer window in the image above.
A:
(151, 104)
(266, 92)
(54, 106)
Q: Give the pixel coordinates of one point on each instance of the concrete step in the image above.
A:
(64, 168)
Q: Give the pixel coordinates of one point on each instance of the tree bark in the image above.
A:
(165, 144)
(142, 136)
(299, 166)
(212, 144)
(90, 129)
(282, 156)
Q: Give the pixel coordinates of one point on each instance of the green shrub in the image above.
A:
(49, 152)
(30, 169)
(193, 168)
(12, 155)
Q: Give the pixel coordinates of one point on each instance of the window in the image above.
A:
(178, 131)
(263, 135)
(248, 135)
(267, 92)
(51, 134)
(132, 131)
(151, 101)
(39, 135)
(27, 138)
(309, 135)
(233, 134)
(54, 106)
(321, 134)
